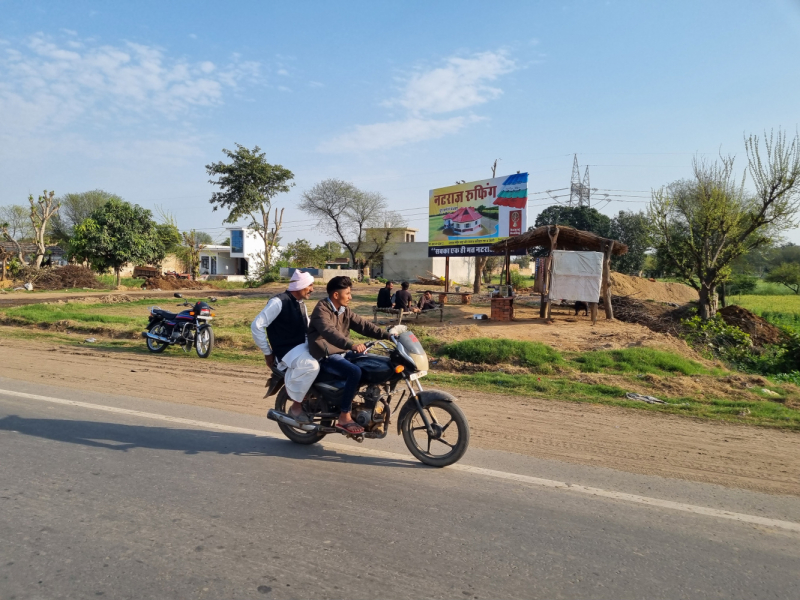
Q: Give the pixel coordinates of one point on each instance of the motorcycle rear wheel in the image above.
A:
(154, 345)
(298, 436)
(419, 442)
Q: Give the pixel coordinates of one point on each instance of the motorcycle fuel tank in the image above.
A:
(374, 369)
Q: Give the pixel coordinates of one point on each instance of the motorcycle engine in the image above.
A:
(371, 413)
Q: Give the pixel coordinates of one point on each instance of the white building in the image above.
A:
(232, 262)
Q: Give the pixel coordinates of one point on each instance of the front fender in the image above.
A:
(425, 398)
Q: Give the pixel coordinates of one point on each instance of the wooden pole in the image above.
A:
(544, 310)
(606, 286)
(508, 265)
(446, 274)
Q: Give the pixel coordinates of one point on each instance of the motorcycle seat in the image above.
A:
(165, 314)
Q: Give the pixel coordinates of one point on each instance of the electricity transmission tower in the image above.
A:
(579, 191)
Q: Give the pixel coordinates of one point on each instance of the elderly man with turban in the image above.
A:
(281, 332)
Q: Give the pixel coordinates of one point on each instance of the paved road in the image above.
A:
(96, 503)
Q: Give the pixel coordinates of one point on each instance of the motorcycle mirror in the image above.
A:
(177, 295)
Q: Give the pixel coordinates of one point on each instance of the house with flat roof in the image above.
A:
(234, 261)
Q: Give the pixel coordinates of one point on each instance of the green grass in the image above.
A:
(783, 310)
(110, 281)
(637, 360)
(496, 351)
(52, 313)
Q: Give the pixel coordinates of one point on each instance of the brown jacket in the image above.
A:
(328, 332)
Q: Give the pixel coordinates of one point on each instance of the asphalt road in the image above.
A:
(119, 504)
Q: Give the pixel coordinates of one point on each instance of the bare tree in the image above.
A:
(704, 224)
(347, 213)
(42, 210)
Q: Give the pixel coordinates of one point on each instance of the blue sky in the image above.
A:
(135, 98)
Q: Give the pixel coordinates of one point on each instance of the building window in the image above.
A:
(204, 262)
(237, 241)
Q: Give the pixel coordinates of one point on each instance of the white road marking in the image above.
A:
(526, 479)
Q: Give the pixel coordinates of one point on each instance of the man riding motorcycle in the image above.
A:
(329, 342)
(280, 331)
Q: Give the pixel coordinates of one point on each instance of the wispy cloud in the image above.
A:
(460, 84)
(45, 86)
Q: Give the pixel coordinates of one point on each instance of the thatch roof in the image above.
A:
(569, 238)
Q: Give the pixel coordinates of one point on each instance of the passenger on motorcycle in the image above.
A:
(281, 332)
(329, 342)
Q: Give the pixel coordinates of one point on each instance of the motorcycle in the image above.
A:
(188, 328)
(434, 428)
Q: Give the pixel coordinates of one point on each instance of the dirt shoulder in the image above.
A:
(754, 458)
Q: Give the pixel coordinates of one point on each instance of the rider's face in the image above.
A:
(306, 292)
(343, 297)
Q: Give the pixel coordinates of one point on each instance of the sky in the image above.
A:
(135, 98)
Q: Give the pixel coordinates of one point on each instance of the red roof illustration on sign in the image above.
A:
(515, 194)
(464, 215)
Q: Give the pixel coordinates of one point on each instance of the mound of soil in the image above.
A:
(761, 332)
(657, 316)
(172, 283)
(644, 289)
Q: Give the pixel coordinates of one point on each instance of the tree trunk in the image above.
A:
(119, 275)
(3, 271)
(708, 302)
(480, 264)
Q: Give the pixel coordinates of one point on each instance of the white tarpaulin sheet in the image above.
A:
(576, 276)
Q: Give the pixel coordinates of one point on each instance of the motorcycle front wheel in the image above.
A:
(204, 342)
(450, 439)
(298, 436)
(160, 330)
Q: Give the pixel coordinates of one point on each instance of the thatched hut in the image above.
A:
(562, 237)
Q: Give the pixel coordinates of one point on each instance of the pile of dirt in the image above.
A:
(656, 316)
(59, 278)
(168, 282)
(644, 289)
(761, 332)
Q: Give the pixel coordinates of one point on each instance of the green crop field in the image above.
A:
(783, 310)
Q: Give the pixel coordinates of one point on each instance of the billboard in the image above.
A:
(467, 218)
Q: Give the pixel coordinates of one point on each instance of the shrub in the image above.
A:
(492, 352)
(518, 280)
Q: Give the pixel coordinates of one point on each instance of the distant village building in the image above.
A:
(338, 263)
(233, 261)
(464, 221)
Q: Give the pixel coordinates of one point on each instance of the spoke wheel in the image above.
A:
(204, 342)
(298, 436)
(154, 345)
(450, 437)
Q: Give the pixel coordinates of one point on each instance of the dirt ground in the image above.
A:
(755, 458)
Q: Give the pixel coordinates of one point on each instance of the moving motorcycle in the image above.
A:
(434, 428)
(187, 328)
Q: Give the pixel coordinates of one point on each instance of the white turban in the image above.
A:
(300, 280)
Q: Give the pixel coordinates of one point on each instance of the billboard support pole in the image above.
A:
(446, 274)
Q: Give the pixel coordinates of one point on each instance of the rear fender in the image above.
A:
(425, 398)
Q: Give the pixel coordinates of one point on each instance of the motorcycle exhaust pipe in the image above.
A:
(284, 418)
(158, 338)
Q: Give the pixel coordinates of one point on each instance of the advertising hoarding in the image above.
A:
(467, 218)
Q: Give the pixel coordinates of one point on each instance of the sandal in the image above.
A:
(350, 428)
(300, 417)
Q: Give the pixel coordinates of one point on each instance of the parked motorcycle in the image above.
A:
(188, 328)
(434, 428)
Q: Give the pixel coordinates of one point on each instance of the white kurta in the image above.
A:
(301, 369)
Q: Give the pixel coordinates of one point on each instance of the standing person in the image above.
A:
(329, 341)
(281, 332)
(403, 299)
(385, 296)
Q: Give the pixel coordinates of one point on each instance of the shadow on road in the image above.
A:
(114, 436)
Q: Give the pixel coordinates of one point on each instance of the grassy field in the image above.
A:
(783, 310)
(488, 365)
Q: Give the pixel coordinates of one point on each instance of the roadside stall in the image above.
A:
(578, 272)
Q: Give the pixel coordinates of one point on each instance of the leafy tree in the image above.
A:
(301, 254)
(787, 274)
(15, 218)
(579, 217)
(74, 209)
(118, 233)
(248, 186)
(189, 252)
(633, 230)
(170, 237)
(203, 237)
(347, 213)
(702, 225)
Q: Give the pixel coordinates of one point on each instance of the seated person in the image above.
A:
(403, 299)
(385, 296)
(329, 341)
(426, 302)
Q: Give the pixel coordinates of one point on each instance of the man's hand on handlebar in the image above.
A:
(360, 348)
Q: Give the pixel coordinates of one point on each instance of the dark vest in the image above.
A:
(289, 328)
